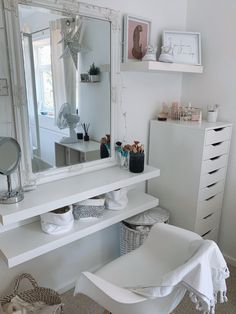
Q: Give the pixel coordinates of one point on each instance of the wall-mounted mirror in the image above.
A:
(59, 43)
(58, 50)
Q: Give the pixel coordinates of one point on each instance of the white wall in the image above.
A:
(142, 95)
(215, 19)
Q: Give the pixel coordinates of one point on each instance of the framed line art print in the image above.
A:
(136, 37)
(186, 46)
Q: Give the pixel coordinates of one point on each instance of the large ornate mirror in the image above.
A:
(54, 49)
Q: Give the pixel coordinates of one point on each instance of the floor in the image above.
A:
(83, 305)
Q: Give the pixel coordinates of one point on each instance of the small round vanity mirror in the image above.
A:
(10, 154)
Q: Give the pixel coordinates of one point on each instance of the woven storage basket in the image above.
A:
(37, 294)
(90, 208)
(130, 238)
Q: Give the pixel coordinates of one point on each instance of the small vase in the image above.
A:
(86, 137)
(212, 116)
(94, 78)
(136, 162)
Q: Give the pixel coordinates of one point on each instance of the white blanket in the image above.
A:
(203, 275)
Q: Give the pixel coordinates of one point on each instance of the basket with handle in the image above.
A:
(36, 294)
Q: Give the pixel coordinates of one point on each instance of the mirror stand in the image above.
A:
(10, 153)
(12, 195)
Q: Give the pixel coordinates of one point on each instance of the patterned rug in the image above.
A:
(83, 305)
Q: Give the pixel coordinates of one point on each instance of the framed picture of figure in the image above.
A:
(136, 37)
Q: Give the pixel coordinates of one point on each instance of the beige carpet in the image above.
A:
(83, 305)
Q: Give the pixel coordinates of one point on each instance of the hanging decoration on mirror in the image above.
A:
(72, 35)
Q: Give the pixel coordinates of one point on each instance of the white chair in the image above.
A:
(166, 248)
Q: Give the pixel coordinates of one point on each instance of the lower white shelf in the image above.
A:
(29, 241)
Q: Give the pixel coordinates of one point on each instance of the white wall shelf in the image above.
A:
(53, 195)
(29, 241)
(154, 66)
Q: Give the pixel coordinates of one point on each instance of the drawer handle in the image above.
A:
(210, 198)
(206, 233)
(219, 129)
(214, 171)
(214, 158)
(208, 216)
(217, 144)
(211, 185)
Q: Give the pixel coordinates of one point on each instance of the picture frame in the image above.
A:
(186, 46)
(136, 37)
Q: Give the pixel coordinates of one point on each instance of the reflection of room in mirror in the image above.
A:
(57, 49)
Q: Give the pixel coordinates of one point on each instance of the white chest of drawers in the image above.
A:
(193, 160)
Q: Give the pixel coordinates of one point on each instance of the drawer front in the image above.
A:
(218, 135)
(209, 206)
(208, 223)
(214, 163)
(215, 150)
(212, 177)
(211, 190)
(212, 234)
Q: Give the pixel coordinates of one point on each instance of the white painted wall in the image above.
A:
(215, 19)
(142, 96)
(143, 93)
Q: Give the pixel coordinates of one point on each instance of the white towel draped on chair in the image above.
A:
(154, 278)
(203, 275)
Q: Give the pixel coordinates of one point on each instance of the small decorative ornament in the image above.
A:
(71, 38)
(166, 54)
(150, 54)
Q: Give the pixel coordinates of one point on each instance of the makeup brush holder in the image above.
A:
(136, 162)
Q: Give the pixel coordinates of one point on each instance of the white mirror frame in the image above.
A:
(19, 99)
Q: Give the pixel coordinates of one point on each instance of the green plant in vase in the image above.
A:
(94, 73)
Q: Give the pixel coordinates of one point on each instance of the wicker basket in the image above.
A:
(131, 239)
(90, 208)
(131, 236)
(37, 294)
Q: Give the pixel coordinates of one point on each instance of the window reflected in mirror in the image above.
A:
(68, 97)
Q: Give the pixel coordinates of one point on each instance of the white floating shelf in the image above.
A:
(29, 241)
(154, 66)
(53, 195)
